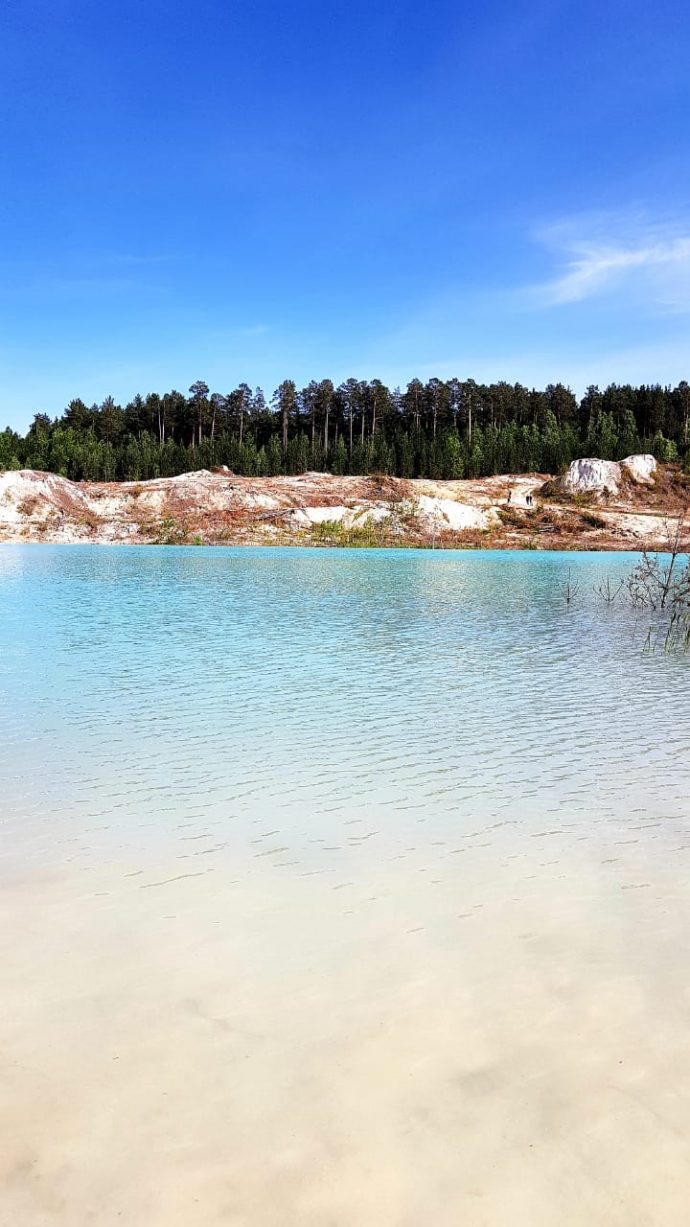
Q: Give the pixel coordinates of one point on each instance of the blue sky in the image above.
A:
(250, 192)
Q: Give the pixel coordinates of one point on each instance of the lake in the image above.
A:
(339, 888)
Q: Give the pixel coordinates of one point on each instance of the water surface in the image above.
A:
(339, 888)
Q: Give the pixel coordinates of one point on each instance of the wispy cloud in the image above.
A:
(606, 254)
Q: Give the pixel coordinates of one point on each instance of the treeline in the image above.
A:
(438, 429)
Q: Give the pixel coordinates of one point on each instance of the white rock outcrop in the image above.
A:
(642, 468)
(446, 513)
(25, 493)
(327, 515)
(592, 476)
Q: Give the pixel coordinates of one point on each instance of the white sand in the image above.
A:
(211, 1041)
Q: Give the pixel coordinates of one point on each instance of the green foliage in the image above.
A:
(362, 536)
(439, 429)
(171, 532)
(663, 449)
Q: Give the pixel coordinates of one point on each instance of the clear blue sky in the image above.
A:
(239, 191)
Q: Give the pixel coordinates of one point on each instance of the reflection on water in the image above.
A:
(339, 887)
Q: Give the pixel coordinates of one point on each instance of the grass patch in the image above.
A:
(512, 517)
(589, 519)
(361, 536)
(27, 505)
(170, 531)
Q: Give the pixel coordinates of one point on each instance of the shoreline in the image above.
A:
(316, 547)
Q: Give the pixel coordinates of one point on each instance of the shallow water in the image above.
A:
(339, 888)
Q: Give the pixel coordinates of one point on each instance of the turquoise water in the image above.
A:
(371, 811)
(143, 682)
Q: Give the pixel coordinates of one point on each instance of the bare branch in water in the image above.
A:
(607, 592)
(663, 581)
(570, 590)
(659, 586)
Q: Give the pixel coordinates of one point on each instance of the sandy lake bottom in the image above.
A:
(339, 889)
